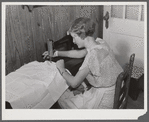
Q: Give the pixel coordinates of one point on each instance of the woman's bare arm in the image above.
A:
(73, 53)
(75, 81)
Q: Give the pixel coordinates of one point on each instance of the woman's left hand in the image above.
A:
(60, 64)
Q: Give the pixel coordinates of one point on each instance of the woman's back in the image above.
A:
(103, 65)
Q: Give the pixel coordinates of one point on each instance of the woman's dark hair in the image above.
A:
(83, 27)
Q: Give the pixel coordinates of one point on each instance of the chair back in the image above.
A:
(122, 86)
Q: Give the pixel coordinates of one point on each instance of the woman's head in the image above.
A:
(83, 27)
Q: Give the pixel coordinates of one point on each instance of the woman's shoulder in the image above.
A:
(103, 44)
(99, 50)
(97, 54)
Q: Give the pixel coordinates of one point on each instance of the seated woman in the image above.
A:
(100, 68)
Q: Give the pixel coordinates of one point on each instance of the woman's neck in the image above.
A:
(90, 42)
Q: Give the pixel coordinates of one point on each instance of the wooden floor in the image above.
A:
(137, 104)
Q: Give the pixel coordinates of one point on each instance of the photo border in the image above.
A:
(56, 112)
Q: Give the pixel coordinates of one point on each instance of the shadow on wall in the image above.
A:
(123, 52)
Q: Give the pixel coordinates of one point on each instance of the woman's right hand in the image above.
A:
(45, 54)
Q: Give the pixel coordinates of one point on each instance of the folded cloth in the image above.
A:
(35, 85)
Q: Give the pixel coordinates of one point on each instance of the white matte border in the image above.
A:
(83, 114)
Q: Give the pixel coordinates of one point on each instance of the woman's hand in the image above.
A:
(60, 65)
(45, 54)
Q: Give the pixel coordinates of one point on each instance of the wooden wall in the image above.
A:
(27, 32)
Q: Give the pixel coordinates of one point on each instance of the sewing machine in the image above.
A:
(66, 43)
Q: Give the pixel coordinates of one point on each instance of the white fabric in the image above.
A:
(35, 85)
(100, 95)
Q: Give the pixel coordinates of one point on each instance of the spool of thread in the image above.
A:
(50, 48)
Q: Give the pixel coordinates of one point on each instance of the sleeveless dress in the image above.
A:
(105, 72)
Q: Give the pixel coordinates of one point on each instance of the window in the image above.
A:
(117, 11)
(131, 12)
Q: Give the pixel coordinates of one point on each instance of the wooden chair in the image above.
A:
(122, 86)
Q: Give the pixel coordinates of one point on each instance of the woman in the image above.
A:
(100, 68)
